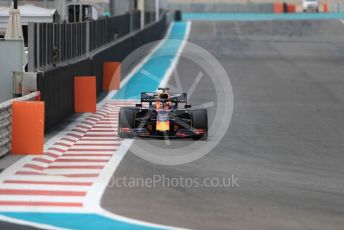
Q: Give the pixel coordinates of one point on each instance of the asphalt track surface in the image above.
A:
(285, 141)
(10, 226)
(259, 16)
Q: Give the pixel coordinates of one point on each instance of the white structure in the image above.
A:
(99, 7)
(310, 5)
(14, 27)
(11, 56)
(29, 13)
(151, 6)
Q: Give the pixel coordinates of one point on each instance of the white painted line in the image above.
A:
(99, 139)
(95, 137)
(93, 198)
(175, 62)
(95, 147)
(54, 178)
(72, 171)
(40, 209)
(93, 152)
(78, 163)
(43, 187)
(143, 61)
(59, 199)
(111, 167)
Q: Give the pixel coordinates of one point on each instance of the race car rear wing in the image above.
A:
(175, 98)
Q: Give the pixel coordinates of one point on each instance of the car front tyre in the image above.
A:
(199, 119)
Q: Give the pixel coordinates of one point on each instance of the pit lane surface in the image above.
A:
(285, 142)
(11, 226)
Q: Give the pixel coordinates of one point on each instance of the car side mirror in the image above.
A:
(187, 106)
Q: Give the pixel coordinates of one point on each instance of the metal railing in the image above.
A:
(6, 122)
(336, 7)
(51, 44)
(104, 31)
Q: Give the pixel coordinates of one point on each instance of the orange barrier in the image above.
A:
(325, 8)
(291, 8)
(27, 127)
(85, 94)
(278, 8)
(111, 76)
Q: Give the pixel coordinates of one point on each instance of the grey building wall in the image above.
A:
(118, 7)
(150, 5)
(11, 56)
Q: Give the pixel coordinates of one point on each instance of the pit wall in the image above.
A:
(57, 85)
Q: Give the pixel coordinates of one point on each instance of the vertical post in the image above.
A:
(15, 4)
(60, 43)
(80, 11)
(38, 47)
(88, 38)
(31, 47)
(131, 9)
(45, 48)
(157, 10)
(63, 10)
(141, 6)
(131, 19)
(112, 7)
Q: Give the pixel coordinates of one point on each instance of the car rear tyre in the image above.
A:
(126, 119)
(199, 120)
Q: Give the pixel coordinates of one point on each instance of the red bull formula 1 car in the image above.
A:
(163, 117)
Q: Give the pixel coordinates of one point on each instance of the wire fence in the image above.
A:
(6, 122)
(51, 44)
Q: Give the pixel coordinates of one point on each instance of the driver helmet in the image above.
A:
(163, 95)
